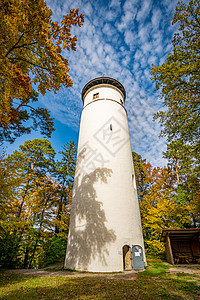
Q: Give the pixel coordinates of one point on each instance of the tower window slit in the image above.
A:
(110, 127)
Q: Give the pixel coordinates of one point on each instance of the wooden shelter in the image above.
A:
(182, 245)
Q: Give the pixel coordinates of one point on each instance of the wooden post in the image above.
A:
(168, 248)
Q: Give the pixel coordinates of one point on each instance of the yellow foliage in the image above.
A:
(30, 47)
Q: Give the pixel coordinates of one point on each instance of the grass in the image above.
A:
(153, 283)
(156, 269)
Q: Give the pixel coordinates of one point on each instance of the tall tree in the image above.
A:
(64, 171)
(33, 203)
(10, 179)
(31, 162)
(162, 204)
(142, 174)
(179, 79)
(31, 45)
(37, 157)
(184, 161)
(161, 209)
(41, 213)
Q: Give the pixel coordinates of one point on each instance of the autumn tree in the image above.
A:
(162, 210)
(162, 205)
(35, 204)
(10, 179)
(142, 174)
(184, 161)
(31, 45)
(33, 161)
(64, 172)
(178, 79)
(39, 118)
(41, 213)
(37, 157)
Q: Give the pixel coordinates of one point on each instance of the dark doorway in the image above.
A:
(127, 258)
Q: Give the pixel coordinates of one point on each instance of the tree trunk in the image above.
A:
(34, 249)
(25, 264)
(38, 235)
(22, 200)
(24, 195)
(176, 169)
(58, 217)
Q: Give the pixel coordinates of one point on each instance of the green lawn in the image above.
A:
(153, 283)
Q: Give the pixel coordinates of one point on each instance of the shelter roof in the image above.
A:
(181, 235)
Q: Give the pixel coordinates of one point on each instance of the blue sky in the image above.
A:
(119, 39)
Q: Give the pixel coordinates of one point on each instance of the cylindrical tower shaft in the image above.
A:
(105, 219)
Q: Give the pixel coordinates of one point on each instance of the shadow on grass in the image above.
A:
(7, 279)
(86, 288)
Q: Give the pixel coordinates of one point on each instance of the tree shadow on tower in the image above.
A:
(88, 232)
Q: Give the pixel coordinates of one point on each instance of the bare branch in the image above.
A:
(14, 46)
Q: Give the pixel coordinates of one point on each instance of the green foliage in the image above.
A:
(178, 81)
(53, 251)
(163, 202)
(181, 195)
(37, 155)
(155, 270)
(18, 125)
(142, 173)
(178, 78)
(184, 160)
(33, 203)
(64, 172)
(31, 45)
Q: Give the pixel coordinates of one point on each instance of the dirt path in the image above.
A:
(186, 269)
(53, 272)
(126, 275)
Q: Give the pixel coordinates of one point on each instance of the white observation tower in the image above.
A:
(105, 233)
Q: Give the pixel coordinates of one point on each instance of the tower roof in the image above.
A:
(103, 80)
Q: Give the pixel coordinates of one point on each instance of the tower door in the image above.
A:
(127, 259)
(138, 260)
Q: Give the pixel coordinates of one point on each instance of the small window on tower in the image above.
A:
(121, 101)
(110, 127)
(95, 95)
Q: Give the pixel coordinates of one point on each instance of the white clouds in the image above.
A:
(138, 55)
(127, 19)
(156, 18)
(109, 30)
(146, 47)
(121, 40)
(169, 6)
(88, 9)
(115, 4)
(152, 60)
(144, 10)
(144, 32)
(126, 61)
(135, 66)
(130, 39)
